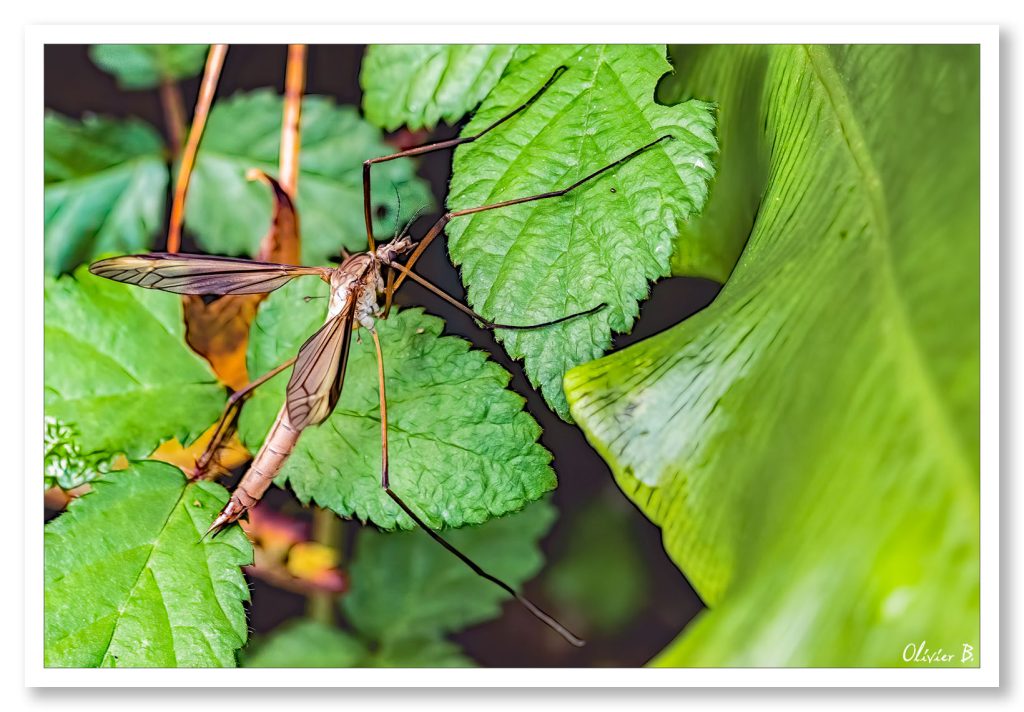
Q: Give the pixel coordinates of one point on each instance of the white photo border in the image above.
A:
(987, 675)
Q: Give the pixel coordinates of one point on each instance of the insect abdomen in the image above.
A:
(264, 468)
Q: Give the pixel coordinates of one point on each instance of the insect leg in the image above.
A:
(405, 272)
(527, 603)
(226, 424)
(383, 413)
(439, 226)
(439, 146)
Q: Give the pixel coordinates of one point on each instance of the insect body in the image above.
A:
(319, 372)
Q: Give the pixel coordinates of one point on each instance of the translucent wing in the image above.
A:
(319, 371)
(199, 274)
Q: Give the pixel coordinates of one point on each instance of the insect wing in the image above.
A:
(319, 372)
(199, 274)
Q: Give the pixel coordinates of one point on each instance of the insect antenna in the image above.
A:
(408, 225)
(398, 211)
(526, 602)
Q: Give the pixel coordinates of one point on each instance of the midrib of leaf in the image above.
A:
(576, 196)
(913, 362)
(206, 562)
(521, 154)
(142, 570)
(599, 69)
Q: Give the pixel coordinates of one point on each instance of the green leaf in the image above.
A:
(809, 442)
(142, 66)
(462, 449)
(419, 653)
(600, 582)
(419, 85)
(306, 643)
(116, 367)
(603, 243)
(105, 185)
(128, 583)
(424, 591)
(230, 214)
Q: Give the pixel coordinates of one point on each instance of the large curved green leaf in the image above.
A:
(809, 442)
(118, 376)
(128, 583)
(419, 85)
(605, 242)
(229, 214)
(462, 448)
(144, 66)
(105, 184)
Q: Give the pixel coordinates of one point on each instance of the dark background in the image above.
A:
(73, 86)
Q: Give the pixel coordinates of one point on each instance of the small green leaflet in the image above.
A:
(419, 653)
(309, 644)
(600, 583)
(605, 242)
(305, 643)
(424, 590)
(419, 85)
(142, 66)
(105, 185)
(128, 583)
(462, 448)
(230, 214)
(116, 367)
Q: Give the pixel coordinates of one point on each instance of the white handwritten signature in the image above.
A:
(920, 653)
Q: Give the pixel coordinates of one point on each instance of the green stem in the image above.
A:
(327, 530)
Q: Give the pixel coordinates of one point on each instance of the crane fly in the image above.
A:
(356, 287)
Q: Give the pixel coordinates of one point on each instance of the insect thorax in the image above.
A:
(355, 284)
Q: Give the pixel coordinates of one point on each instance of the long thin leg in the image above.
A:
(485, 322)
(383, 412)
(389, 291)
(384, 483)
(439, 146)
(225, 426)
(439, 226)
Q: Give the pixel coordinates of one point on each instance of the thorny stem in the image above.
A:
(327, 530)
(211, 75)
(174, 113)
(294, 86)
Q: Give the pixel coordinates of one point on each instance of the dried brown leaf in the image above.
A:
(219, 330)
